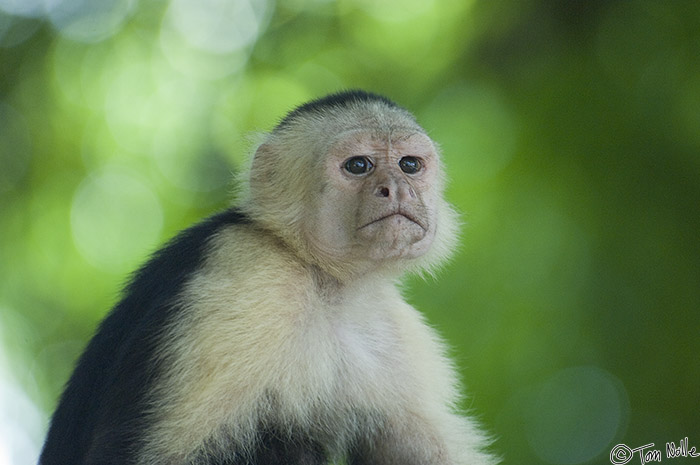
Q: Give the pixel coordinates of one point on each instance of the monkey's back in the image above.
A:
(103, 411)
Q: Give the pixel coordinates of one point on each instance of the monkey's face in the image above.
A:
(379, 198)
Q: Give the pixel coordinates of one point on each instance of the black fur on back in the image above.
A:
(337, 100)
(103, 412)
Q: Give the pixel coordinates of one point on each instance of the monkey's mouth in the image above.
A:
(401, 213)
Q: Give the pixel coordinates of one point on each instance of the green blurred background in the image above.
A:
(571, 130)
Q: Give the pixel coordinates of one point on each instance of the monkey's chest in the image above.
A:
(343, 364)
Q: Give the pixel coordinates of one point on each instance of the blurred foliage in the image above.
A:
(571, 130)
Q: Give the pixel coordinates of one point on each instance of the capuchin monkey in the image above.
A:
(274, 333)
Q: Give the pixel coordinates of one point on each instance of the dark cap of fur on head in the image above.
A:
(336, 100)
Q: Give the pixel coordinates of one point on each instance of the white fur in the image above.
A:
(306, 355)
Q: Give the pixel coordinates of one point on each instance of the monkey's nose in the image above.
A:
(382, 191)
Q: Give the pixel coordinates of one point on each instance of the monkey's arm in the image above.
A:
(416, 440)
(428, 429)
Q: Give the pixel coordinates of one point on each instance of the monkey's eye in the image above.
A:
(358, 165)
(410, 165)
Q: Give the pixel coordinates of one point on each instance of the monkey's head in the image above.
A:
(353, 184)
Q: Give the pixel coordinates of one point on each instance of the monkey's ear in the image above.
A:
(276, 188)
(263, 182)
(259, 170)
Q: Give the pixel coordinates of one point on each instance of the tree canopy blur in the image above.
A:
(571, 133)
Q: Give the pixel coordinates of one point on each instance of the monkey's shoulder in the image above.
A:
(164, 274)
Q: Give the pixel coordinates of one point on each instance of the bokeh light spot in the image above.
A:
(212, 39)
(115, 219)
(197, 63)
(217, 26)
(575, 415)
(27, 8)
(88, 20)
(131, 108)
